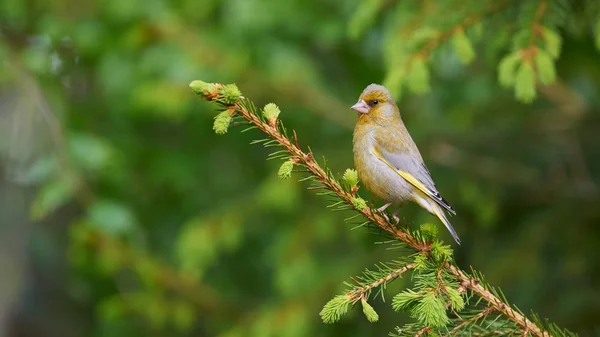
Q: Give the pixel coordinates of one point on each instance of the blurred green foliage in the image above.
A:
(174, 230)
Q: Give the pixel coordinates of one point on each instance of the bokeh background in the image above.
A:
(123, 214)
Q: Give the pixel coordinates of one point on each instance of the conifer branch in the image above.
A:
(232, 102)
(469, 21)
(358, 293)
(471, 320)
(496, 303)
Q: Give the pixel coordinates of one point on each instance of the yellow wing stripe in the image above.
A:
(407, 176)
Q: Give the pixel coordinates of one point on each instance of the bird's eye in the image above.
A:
(373, 102)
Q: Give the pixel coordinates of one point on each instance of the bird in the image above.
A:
(387, 159)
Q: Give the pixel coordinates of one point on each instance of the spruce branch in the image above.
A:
(469, 21)
(363, 291)
(434, 260)
(487, 311)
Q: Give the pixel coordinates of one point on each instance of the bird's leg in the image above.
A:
(382, 208)
(395, 216)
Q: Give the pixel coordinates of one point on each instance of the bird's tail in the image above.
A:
(439, 212)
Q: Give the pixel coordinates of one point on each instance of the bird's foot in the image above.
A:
(395, 216)
(382, 208)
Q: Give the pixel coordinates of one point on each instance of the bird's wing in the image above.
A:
(413, 170)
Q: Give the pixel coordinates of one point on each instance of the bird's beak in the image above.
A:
(361, 106)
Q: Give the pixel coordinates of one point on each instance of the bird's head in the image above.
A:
(376, 104)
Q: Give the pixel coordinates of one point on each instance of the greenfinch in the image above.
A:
(387, 160)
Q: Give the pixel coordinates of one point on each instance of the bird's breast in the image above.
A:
(381, 180)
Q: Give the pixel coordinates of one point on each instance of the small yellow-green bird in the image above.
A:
(388, 161)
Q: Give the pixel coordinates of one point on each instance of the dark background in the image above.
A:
(123, 214)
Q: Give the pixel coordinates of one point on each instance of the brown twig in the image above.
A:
(358, 293)
(307, 160)
(429, 47)
(475, 318)
(496, 303)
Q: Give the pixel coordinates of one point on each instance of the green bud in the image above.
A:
(231, 94)
(394, 79)
(285, 171)
(405, 300)
(597, 33)
(222, 122)
(525, 83)
(334, 309)
(507, 70)
(456, 300)
(359, 203)
(418, 77)
(429, 231)
(421, 262)
(202, 88)
(350, 178)
(369, 312)
(545, 67)
(440, 252)
(271, 112)
(463, 47)
(553, 42)
(431, 311)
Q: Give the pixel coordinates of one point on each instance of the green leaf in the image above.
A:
(406, 300)
(429, 231)
(111, 308)
(222, 122)
(111, 217)
(441, 252)
(507, 70)
(285, 170)
(545, 67)
(335, 308)
(553, 42)
(456, 300)
(271, 111)
(369, 312)
(202, 88)
(183, 316)
(197, 246)
(463, 47)
(231, 94)
(597, 33)
(89, 151)
(394, 78)
(421, 262)
(418, 76)
(109, 259)
(148, 271)
(350, 178)
(359, 203)
(525, 83)
(41, 170)
(54, 194)
(431, 311)
(363, 17)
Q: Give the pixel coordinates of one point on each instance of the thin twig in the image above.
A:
(429, 47)
(473, 319)
(357, 294)
(496, 303)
